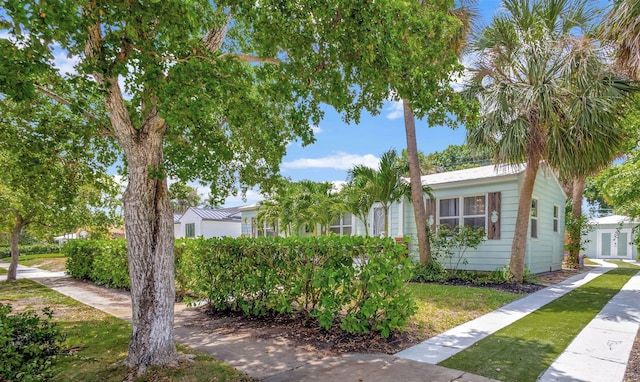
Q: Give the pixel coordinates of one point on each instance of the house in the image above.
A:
(611, 237)
(484, 197)
(177, 227)
(488, 197)
(208, 222)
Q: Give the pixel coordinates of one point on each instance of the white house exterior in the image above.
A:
(208, 222)
(482, 196)
(611, 237)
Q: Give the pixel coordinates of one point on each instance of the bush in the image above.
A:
(431, 272)
(28, 345)
(31, 249)
(356, 282)
(101, 261)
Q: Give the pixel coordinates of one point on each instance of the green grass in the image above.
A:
(526, 348)
(442, 307)
(3, 271)
(96, 340)
(47, 261)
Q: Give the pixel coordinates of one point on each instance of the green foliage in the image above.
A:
(577, 229)
(432, 271)
(183, 196)
(448, 246)
(357, 282)
(29, 343)
(101, 261)
(31, 249)
(458, 157)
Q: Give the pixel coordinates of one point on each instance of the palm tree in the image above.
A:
(465, 13)
(357, 202)
(535, 103)
(622, 28)
(385, 185)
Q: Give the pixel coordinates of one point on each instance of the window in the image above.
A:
(473, 214)
(190, 230)
(267, 230)
(556, 218)
(534, 218)
(343, 225)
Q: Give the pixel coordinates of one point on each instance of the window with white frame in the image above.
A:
(342, 226)
(556, 218)
(264, 230)
(190, 230)
(472, 214)
(534, 218)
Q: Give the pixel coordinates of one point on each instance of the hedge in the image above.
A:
(355, 282)
(31, 249)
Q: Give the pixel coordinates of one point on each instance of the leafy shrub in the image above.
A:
(31, 249)
(110, 267)
(28, 345)
(80, 255)
(431, 272)
(101, 261)
(356, 282)
(448, 246)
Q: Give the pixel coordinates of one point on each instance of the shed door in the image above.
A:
(614, 243)
(378, 221)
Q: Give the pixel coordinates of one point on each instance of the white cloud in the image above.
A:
(316, 129)
(458, 82)
(394, 110)
(65, 63)
(338, 161)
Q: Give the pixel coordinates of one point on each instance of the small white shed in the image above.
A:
(611, 238)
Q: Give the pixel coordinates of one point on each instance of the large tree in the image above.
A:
(49, 176)
(543, 96)
(213, 91)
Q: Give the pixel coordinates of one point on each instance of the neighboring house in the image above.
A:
(611, 238)
(177, 227)
(484, 197)
(250, 226)
(208, 222)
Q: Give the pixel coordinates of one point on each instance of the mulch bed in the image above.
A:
(306, 333)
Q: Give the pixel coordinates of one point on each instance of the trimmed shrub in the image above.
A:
(101, 261)
(80, 255)
(28, 345)
(31, 249)
(356, 282)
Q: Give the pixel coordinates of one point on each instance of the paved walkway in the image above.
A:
(599, 353)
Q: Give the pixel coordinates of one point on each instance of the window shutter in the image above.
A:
(494, 216)
(431, 213)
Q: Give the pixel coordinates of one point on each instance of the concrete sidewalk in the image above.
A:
(265, 360)
(451, 342)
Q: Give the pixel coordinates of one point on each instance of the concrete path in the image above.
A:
(265, 360)
(600, 352)
(451, 342)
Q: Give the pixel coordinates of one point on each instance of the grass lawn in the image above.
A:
(526, 348)
(53, 262)
(3, 271)
(96, 340)
(442, 307)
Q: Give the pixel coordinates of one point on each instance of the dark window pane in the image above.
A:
(449, 207)
(474, 205)
(451, 223)
(475, 222)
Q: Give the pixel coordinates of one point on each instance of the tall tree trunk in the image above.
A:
(576, 215)
(516, 263)
(15, 253)
(417, 195)
(149, 229)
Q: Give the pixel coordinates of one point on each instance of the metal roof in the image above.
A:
(472, 174)
(612, 219)
(231, 213)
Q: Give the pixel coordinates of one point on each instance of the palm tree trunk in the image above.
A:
(518, 248)
(576, 215)
(417, 196)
